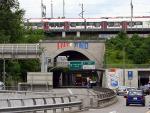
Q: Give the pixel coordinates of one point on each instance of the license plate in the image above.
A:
(135, 98)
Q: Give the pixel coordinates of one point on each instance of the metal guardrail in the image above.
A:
(40, 104)
(101, 98)
(106, 97)
(41, 107)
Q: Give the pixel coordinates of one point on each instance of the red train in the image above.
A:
(103, 23)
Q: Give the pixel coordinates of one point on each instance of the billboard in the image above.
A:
(113, 75)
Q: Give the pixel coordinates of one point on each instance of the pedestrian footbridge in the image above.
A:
(20, 51)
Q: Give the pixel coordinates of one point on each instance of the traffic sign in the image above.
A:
(76, 65)
(130, 75)
(88, 66)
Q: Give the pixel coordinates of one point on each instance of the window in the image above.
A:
(111, 24)
(116, 24)
(73, 24)
(97, 24)
(90, 23)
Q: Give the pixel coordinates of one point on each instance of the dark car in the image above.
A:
(135, 97)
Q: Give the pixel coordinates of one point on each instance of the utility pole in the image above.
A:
(43, 10)
(82, 11)
(63, 8)
(131, 13)
(123, 66)
(4, 72)
(51, 8)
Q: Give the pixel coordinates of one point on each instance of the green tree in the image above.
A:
(11, 29)
(13, 72)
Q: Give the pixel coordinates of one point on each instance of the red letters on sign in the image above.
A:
(62, 45)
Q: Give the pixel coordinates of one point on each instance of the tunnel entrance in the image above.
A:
(143, 78)
(66, 77)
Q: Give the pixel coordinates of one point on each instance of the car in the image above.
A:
(135, 97)
(129, 89)
(121, 90)
(145, 89)
(1, 85)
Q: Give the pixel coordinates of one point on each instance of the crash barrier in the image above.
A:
(99, 97)
(66, 103)
(105, 96)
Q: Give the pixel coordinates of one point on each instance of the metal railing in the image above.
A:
(15, 49)
(100, 97)
(106, 97)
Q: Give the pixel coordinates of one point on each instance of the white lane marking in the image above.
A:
(69, 90)
(113, 112)
(91, 92)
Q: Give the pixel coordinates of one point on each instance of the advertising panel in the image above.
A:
(113, 77)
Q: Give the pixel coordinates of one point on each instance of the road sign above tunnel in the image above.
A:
(89, 62)
(76, 65)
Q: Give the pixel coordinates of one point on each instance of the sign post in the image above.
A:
(130, 76)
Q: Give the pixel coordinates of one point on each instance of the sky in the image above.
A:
(92, 8)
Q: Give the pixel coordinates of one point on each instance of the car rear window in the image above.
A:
(135, 93)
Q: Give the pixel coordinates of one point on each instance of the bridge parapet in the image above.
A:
(20, 50)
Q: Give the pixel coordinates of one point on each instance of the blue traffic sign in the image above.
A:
(130, 75)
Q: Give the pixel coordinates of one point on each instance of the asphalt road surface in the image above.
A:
(120, 107)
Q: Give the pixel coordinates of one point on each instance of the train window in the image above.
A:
(73, 24)
(79, 23)
(138, 23)
(111, 24)
(90, 23)
(97, 24)
(51, 24)
(116, 24)
(57, 24)
(61, 24)
(39, 24)
(33, 24)
(131, 23)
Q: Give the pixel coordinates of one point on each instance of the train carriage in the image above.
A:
(104, 23)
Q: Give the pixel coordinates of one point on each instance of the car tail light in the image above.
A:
(142, 97)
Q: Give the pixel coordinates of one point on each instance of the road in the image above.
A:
(120, 107)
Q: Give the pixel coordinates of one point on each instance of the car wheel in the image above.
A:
(127, 104)
(143, 104)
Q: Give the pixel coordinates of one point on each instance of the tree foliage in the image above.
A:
(11, 29)
(134, 50)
